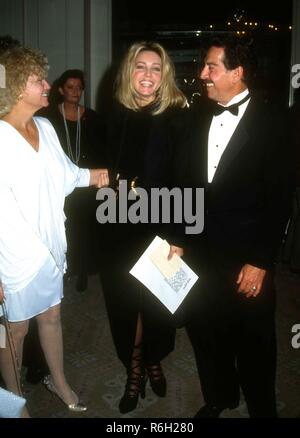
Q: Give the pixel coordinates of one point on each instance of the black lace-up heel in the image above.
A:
(135, 385)
(157, 379)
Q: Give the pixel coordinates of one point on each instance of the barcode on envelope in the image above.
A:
(178, 281)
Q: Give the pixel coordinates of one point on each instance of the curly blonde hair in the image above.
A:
(168, 93)
(19, 63)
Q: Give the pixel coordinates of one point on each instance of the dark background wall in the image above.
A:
(175, 25)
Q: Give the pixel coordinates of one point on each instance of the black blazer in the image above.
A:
(247, 205)
(138, 145)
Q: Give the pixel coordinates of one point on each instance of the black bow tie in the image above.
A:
(233, 109)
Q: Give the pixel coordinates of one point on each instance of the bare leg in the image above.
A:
(50, 332)
(18, 333)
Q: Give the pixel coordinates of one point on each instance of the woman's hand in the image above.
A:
(175, 250)
(99, 178)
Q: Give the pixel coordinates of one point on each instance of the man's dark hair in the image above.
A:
(238, 52)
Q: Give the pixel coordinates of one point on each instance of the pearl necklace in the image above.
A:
(78, 134)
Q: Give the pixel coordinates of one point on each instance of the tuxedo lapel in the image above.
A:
(236, 143)
(238, 140)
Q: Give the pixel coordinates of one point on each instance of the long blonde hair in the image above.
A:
(168, 94)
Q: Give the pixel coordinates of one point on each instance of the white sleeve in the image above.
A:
(74, 175)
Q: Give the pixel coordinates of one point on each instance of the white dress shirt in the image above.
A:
(33, 187)
(221, 130)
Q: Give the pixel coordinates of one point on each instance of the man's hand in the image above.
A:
(250, 280)
(99, 178)
(175, 250)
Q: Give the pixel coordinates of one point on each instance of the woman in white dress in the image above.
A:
(35, 178)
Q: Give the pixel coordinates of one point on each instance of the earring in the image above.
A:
(20, 97)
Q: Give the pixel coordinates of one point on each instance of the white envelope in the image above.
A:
(169, 280)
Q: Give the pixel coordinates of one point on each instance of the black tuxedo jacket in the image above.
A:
(247, 204)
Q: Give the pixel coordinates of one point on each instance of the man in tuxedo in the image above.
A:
(237, 148)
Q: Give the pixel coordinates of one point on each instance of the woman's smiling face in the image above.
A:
(146, 78)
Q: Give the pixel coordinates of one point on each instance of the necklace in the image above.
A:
(78, 134)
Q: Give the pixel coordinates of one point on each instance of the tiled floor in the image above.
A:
(98, 377)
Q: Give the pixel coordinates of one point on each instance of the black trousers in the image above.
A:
(234, 342)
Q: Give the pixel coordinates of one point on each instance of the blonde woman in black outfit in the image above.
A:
(146, 100)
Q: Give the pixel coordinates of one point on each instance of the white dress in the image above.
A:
(33, 187)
